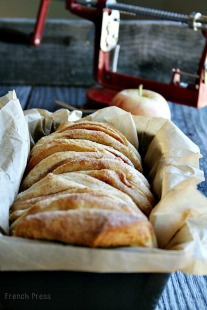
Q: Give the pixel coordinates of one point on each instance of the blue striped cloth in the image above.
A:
(184, 292)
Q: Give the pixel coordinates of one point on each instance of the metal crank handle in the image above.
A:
(194, 20)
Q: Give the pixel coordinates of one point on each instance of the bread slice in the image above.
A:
(141, 195)
(81, 199)
(50, 163)
(41, 151)
(51, 187)
(89, 227)
(99, 136)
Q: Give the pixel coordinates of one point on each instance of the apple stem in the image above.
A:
(140, 90)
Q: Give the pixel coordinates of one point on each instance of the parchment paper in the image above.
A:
(14, 148)
(171, 162)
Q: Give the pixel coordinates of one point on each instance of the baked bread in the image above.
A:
(97, 132)
(41, 151)
(138, 191)
(57, 186)
(50, 163)
(90, 227)
(81, 199)
(84, 185)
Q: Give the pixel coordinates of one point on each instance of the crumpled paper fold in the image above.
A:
(14, 148)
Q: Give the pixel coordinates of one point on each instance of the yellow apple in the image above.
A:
(142, 102)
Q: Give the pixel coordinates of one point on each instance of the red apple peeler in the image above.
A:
(105, 14)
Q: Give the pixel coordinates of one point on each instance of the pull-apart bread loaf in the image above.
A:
(84, 185)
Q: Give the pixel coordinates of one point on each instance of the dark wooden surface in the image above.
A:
(148, 50)
(55, 71)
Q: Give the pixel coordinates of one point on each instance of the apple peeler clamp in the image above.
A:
(105, 14)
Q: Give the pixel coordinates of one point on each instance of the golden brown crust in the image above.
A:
(81, 186)
(91, 125)
(141, 195)
(82, 164)
(99, 137)
(50, 163)
(106, 128)
(94, 228)
(54, 184)
(41, 151)
(50, 184)
(98, 191)
(85, 199)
